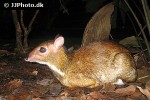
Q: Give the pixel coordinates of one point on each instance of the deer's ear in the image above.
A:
(58, 35)
(58, 43)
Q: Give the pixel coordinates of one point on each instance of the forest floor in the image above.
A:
(20, 80)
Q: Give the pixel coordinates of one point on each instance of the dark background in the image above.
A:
(71, 25)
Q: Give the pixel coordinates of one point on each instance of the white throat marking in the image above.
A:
(54, 68)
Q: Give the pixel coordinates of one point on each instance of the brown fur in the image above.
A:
(92, 65)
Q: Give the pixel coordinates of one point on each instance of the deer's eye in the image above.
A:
(42, 50)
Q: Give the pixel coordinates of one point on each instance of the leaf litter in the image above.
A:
(20, 80)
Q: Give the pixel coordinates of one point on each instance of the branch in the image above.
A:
(32, 20)
(63, 7)
(18, 30)
(21, 21)
(139, 24)
(147, 13)
(16, 22)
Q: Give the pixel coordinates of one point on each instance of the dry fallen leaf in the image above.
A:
(64, 93)
(108, 87)
(2, 97)
(136, 94)
(145, 92)
(19, 96)
(143, 75)
(37, 99)
(129, 99)
(126, 91)
(97, 95)
(130, 41)
(3, 63)
(3, 52)
(13, 85)
(67, 98)
(39, 90)
(72, 92)
(147, 86)
(45, 82)
(55, 89)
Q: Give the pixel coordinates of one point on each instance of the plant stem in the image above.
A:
(144, 36)
(147, 13)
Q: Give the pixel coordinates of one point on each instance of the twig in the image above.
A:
(144, 36)
(32, 20)
(63, 7)
(21, 21)
(147, 13)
